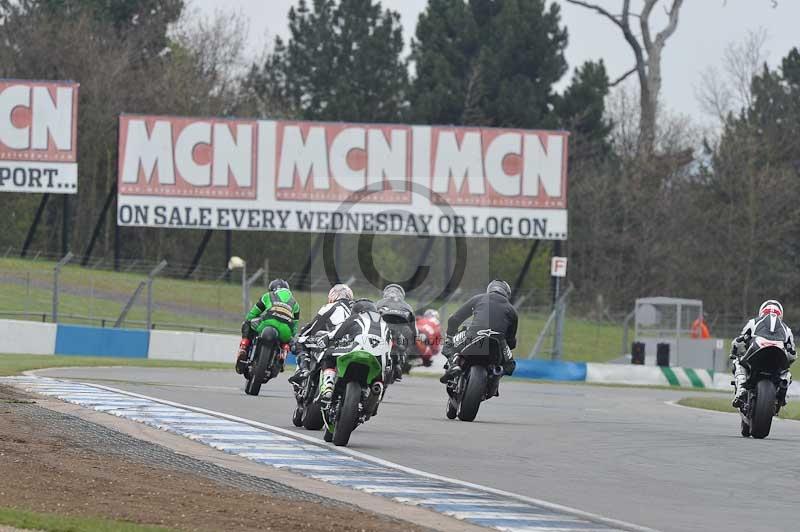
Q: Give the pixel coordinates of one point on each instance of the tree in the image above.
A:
(487, 63)
(582, 110)
(342, 62)
(647, 60)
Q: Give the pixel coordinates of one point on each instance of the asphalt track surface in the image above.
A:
(619, 452)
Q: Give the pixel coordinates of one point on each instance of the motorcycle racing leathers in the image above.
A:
(741, 344)
(488, 311)
(327, 319)
(358, 323)
(274, 317)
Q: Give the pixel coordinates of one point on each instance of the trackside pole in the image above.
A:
(56, 274)
(150, 278)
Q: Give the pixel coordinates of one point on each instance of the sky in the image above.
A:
(705, 29)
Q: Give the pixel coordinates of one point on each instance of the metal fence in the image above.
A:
(211, 300)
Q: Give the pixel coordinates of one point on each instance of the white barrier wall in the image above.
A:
(190, 346)
(27, 337)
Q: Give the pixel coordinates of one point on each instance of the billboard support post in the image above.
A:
(98, 226)
(32, 230)
(228, 253)
(65, 224)
(201, 249)
(312, 256)
(523, 273)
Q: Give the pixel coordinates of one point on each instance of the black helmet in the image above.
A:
(499, 287)
(277, 284)
(394, 291)
(363, 305)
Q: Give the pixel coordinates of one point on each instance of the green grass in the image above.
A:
(720, 404)
(584, 340)
(16, 364)
(58, 523)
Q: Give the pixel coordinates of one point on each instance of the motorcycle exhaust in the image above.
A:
(497, 371)
(377, 388)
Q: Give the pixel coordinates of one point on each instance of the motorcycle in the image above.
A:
(262, 364)
(358, 389)
(766, 360)
(480, 379)
(308, 412)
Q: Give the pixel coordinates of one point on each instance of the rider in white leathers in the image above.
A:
(741, 343)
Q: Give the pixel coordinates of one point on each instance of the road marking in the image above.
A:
(310, 457)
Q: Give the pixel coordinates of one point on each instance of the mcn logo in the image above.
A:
(307, 161)
(38, 121)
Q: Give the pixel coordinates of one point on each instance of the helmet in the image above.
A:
(500, 287)
(277, 284)
(771, 306)
(339, 292)
(394, 291)
(364, 305)
(432, 314)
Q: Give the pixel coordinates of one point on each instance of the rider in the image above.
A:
(330, 316)
(364, 319)
(492, 310)
(429, 336)
(741, 344)
(276, 316)
(399, 316)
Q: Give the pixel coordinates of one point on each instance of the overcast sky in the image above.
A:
(706, 27)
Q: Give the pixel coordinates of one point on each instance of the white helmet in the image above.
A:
(339, 292)
(432, 314)
(771, 306)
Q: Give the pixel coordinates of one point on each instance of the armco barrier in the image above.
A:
(31, 337)
(94, 341)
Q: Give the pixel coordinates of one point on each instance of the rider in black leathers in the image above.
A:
(492, 310)
(399, 317)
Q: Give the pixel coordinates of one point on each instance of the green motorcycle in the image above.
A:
(358, 389)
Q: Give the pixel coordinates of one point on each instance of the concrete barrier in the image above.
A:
(649, 375)
(172, 345)
(550, 370)
(215, 347)
(94, 341)
(27, 337)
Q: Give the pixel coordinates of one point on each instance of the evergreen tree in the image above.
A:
(342, 62)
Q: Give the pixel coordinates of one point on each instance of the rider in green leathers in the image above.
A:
(276, 317)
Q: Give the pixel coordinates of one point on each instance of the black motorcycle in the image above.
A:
(480, 380)
(262, 364)
(308, 412)
(766, 360)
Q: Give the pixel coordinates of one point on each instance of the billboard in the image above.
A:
(38, 136)
(210, 173)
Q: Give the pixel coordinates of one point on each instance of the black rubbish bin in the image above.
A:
(637, 353)
(662, 354)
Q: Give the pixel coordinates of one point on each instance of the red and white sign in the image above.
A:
(310, 176)
(558, 267)
(38, 136)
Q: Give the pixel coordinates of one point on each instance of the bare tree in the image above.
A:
(647, 52)
(722, 93)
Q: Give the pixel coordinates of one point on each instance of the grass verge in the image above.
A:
(16, 364)
(720, 404)
(58, 523)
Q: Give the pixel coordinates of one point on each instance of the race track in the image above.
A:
(618, 452)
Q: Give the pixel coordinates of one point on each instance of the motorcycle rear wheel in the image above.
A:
(763, 409)
(348, 414)
(312, 417)
(471, 400)
(257, 376)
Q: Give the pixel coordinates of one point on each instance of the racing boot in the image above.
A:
(328, 380)
(739, 378)
(453, 369)
(241, 355)
(786, 381)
